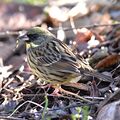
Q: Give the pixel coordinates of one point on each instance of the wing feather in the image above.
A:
(57, 56)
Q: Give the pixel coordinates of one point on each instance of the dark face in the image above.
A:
(35, 36)
(32, 37)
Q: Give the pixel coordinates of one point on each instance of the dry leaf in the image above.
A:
(86, 38)
(83, 35)
(108, 61)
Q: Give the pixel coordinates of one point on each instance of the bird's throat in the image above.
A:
(31, 45)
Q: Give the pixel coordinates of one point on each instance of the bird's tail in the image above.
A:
(86, 69)
(100, 76)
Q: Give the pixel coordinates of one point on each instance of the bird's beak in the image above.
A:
(21, 38)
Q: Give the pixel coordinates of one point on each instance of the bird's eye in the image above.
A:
(32, 36)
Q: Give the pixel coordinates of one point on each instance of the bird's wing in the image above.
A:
(57, 55)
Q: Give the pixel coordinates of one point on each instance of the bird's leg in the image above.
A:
(59, 89)
(56, 88)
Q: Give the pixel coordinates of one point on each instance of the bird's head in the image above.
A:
(35, 36)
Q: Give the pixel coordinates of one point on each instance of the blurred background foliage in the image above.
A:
(32, 2)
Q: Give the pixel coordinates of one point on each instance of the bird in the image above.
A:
(53, 61)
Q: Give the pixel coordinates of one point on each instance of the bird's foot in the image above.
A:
(46, 86)
(58, 90)
(61, 90)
